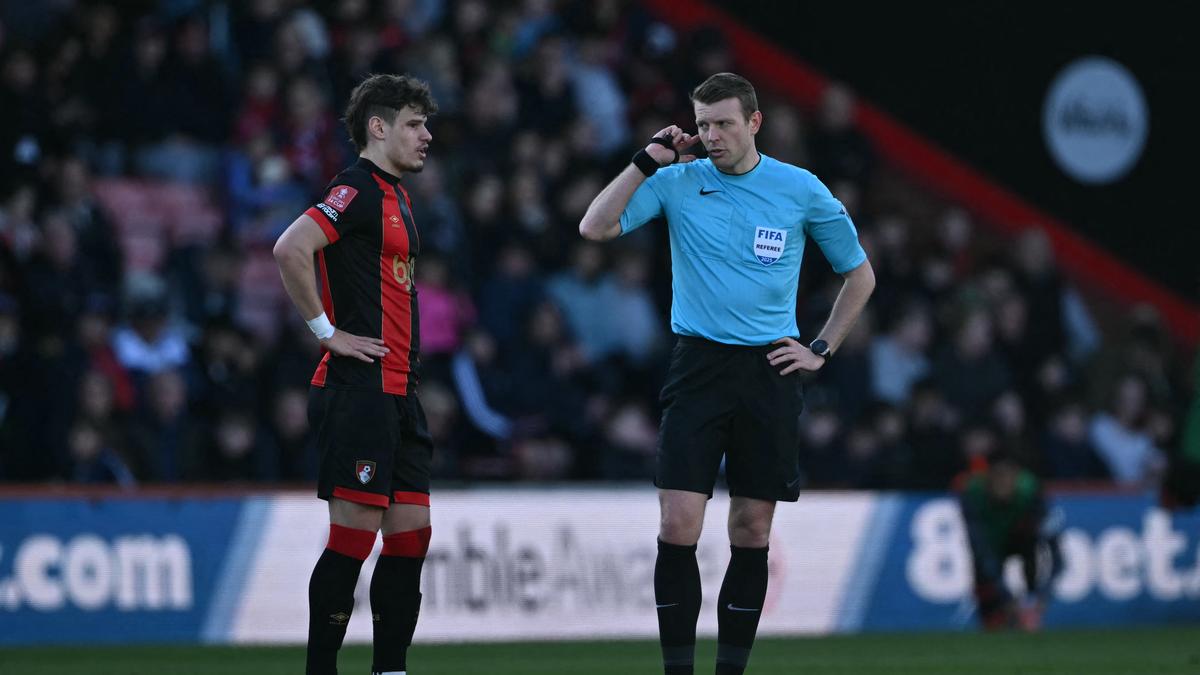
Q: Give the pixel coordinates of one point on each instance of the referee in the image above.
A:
(375, 448)
(738, 222)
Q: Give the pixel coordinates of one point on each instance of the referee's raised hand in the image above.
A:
(342, 343)
(680, 141)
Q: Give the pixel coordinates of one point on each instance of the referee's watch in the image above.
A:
(821, 348)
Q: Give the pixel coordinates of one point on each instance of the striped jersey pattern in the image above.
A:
(366, 277)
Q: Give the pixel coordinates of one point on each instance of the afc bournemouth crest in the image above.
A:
(364, 470)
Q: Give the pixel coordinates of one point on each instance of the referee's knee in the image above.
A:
(750, 533)
(679, 531)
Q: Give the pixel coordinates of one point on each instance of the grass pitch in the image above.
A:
(1161, 651)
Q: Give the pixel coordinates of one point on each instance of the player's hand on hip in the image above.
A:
(680, 141)
(355, 346)
(793, 356)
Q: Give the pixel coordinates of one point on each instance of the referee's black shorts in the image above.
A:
(728, 400)
(375, 447)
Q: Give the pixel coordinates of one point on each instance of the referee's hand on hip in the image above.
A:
(794, 356)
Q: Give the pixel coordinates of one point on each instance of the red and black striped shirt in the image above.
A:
(366, 276)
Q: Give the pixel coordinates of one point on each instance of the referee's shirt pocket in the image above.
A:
(765, 238)
(704, 226)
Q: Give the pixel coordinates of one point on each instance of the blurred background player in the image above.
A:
(376, 451)
(1005, 515)
(1181, 485)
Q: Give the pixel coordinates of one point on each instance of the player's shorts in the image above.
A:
(727, 400)
(375, 447)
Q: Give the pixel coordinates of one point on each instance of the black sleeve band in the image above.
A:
(645, 163)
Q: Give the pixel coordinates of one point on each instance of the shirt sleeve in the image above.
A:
(644, 206)
(348, 204)
(831, 227)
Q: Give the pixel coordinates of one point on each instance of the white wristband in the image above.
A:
(321, 327)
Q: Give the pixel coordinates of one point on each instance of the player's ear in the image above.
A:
(376, 128)
(755, 121)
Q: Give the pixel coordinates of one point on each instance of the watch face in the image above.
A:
(819, 347)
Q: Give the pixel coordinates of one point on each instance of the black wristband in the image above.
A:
(645, 163)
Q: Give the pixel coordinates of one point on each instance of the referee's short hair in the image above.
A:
(384, 96)
(727, 85)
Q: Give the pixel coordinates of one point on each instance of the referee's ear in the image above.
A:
(755, 122)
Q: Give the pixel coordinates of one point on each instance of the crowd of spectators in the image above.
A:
(134, 352)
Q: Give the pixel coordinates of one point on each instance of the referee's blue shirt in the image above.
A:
(737, 243)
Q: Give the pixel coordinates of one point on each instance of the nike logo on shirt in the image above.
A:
(707, 192)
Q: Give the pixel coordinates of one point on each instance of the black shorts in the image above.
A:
(728, 400)
(375, 447)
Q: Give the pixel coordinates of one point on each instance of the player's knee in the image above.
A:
(408, 544)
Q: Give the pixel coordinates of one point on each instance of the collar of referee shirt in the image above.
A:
(367, 164)
(747, 172)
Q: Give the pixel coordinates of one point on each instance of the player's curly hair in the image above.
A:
(727, 85)
(384, 96)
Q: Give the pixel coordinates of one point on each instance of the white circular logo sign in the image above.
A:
(1095, 120)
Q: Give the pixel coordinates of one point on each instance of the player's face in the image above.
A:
(407, 140)
(727, 135)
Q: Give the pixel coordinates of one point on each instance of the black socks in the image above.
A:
(330, 602)
(395, 603)
(740, 607)
(677, 595)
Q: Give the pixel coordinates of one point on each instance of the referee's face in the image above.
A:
(727, 135)
(407, 140)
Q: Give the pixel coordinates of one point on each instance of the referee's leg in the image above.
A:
(744, 589)
(692, 439)
(677, 592)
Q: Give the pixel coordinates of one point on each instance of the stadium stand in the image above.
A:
(150, 159)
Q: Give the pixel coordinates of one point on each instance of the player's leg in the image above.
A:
(744, 589)
(396, 582)
(354, 437)
(1041, 561)
(696, 408)
(993, 600)
(762, 466)
(396, 585)
(352, 529)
